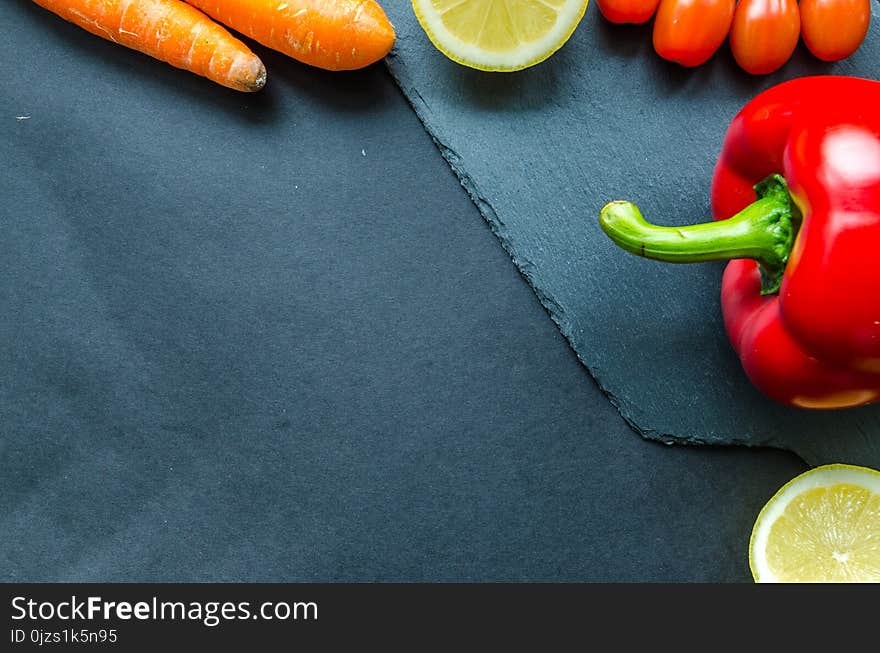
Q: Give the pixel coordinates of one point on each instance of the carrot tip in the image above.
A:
(247, 73)
(260, 79)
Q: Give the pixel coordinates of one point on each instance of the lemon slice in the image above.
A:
(823, 526)
(499, 35)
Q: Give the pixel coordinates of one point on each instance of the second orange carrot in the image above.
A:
(330, 34)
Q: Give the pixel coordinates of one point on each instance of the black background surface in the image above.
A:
(269, 338)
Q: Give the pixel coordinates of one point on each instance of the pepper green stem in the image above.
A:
(763, 231)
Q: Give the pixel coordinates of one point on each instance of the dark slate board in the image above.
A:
(542, 150)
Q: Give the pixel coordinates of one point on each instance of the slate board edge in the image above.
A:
(554, 309)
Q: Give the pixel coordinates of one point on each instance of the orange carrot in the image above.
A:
(170, 31)
(331, 34)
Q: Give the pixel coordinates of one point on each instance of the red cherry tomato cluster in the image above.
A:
(763, 33)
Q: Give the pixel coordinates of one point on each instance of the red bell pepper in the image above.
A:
(801, 294)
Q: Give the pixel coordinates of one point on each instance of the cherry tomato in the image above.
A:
(764, 34)
(690, 31)
(628, 11)
(834, 29)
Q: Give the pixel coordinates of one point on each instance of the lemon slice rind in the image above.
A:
(821, 477)
(525, 55)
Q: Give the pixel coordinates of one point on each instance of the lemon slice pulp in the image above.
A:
(499, 35)
(823, 526)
